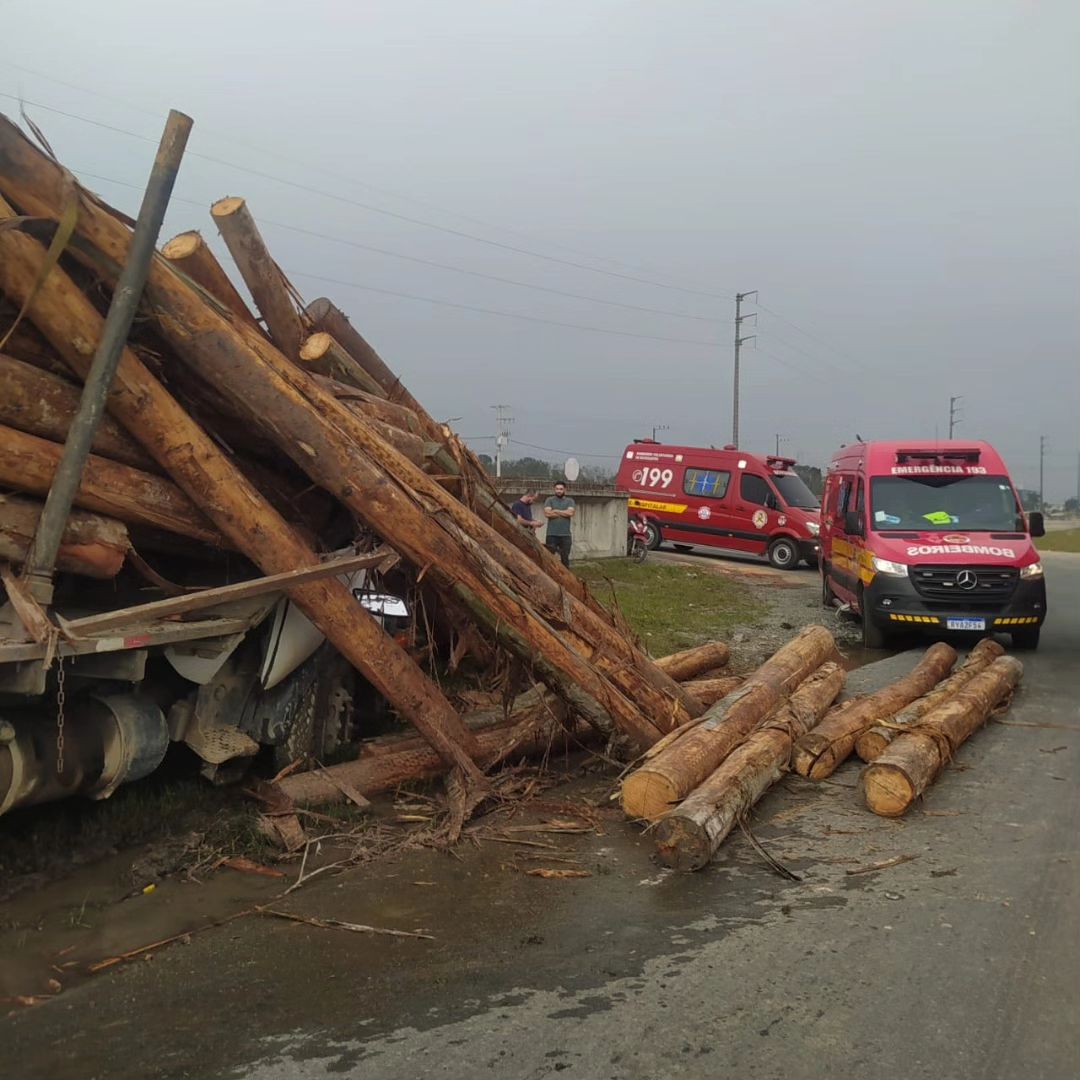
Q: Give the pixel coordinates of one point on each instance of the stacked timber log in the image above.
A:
(262, 439)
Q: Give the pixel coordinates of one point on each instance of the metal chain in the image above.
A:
(60, 698)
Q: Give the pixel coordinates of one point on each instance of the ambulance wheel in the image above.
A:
(1026, 639)
(873, 637)
(827, 595)
(652, 530)
(783, 554)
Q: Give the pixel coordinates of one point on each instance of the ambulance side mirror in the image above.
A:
(1035, 524)
(853, 524)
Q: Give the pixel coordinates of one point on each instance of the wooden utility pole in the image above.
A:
(740, 318)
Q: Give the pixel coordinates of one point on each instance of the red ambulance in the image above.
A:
(930, 536)
(721, 498)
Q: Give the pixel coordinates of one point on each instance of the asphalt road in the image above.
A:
(959, 963)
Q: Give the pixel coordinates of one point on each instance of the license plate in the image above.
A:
(965, 624)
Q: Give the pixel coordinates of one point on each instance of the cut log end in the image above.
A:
(316, 347)
(182, 246)
(682, 844)
(870, 745)
(648, 795)
(887, 789)
(227, 207)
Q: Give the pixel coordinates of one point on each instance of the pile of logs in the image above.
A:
(700, 781)
(240, 442)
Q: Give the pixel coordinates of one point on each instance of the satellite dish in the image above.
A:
(571, 470)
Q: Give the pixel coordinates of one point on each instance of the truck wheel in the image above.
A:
(827, 595)
(1026, 639)
(654, 537)
(783, 554)
(873, 637)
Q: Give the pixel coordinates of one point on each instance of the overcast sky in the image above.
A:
(899, 181)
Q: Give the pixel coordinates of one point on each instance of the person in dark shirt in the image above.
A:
(559, 511)
(522, 511)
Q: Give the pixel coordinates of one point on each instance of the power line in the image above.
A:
(812, 337)
(569, 453)
(307, 188)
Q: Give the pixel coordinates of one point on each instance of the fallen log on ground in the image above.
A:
(820, 752)
(91, 546)
(27, 464)
(710, 691)
(686, 757)
(44, 404)
(187, 453)
(689, 836)
(911, 763)
(871, 744)
(191, 255)
(692, 663)
(268, 285)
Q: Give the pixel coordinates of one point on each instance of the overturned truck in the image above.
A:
(236, 529)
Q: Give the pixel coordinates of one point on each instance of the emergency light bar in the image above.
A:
(938, 456)
(779, 463)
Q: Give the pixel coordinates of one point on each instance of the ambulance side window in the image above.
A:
(842, 499)
(859, 497)
(756, 490)
(708, 483)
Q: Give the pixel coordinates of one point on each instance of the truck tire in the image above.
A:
(1028, 640)
(784, 553)
(827, 595)
(873, 637)
(655, 539)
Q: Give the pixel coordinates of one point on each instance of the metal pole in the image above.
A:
(1042, 455)
(125, 300)
(739, 339)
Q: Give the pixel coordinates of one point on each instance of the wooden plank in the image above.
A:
(196, 601)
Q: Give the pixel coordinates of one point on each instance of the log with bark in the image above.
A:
(693, 663)
(374, 405)
(91, 545)
(184, 450)
(268, 285)
(401, 504)
(689, 836)
(913, 761)
(689, 755)
(710, 691)
(27, 464)
(320, 354)
(191, 255)
(871, 744)
(820, 752)
(43, 404)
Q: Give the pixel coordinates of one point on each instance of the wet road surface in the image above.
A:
(958, 963)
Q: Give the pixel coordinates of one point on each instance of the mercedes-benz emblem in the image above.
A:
(967, 579)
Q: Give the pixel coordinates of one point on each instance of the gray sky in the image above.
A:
(900, 182)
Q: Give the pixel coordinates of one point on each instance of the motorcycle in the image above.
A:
(637, 539)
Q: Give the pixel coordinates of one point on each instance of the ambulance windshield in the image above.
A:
(794, 492)
(944, 504)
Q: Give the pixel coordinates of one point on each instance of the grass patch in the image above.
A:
(1060, 540)
(672, 607)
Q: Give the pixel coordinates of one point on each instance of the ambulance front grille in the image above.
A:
(993, 584)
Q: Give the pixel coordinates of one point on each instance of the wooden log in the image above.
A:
(677, 765)
(191, 255)
(322, 355)
(710, 691)
(821, 751)
(27, 344)
(458, 458)
(400, 503)
(263, 277)
(43, 404)
(91, 546)
(185, 451)
(691, 663)
(27, 464)
(689, 836)
(411, 447)
(871, 744)
(913, 761)
(374, 405)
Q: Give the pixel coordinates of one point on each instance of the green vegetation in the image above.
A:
(1060, 540)
(672, 606)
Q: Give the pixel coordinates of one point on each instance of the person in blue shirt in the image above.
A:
(522, 511)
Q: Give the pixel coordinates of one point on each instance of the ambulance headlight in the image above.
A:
(893, 569)
(813, 528)
(1034, 570)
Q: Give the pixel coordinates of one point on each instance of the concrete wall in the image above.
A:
(599, 525)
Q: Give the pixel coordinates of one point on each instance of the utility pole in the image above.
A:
(1042, 455)
(779, 439)
(739, 339)
(954, 413)
(659, 427)
(502, 433)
